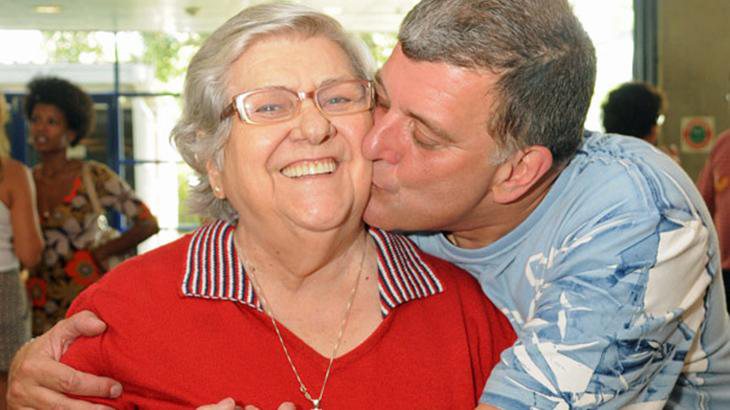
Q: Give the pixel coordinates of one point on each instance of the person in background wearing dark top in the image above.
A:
(73, 195)
(714, 185)
(637, 109)
(20, 245)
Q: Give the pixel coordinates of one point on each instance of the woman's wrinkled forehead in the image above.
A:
(272, 60)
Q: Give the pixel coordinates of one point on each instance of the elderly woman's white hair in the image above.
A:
(200, 135)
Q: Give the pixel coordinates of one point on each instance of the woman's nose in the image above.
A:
(36, 126)
(314, 126)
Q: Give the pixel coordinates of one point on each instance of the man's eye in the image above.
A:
(425, 144)
(424, 141)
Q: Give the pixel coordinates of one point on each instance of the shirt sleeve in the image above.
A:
(87, 354)
(115, 193)
(617, 310)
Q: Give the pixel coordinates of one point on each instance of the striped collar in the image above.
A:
(214, 271)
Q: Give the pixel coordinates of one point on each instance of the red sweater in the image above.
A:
(183, 332)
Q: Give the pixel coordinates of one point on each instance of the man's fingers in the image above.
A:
(62, 378)
(283, 406)
(83, 323)
(38, 379)
(48, 399)
(225, 404)
(86, 323)
(32, 367)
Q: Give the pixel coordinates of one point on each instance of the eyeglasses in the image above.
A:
(277, 104)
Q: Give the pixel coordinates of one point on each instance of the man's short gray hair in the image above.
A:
(544, 59)
(200, 135)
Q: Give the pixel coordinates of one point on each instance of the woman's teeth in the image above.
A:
(309, 168)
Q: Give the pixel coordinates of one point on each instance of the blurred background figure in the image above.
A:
(637, 109)
(714, 185)
(20, 245)
(73, 198)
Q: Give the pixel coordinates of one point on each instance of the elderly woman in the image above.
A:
(287, 295)
(73, 197)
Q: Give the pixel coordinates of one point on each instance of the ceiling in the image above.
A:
(184, 15)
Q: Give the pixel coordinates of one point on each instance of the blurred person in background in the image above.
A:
(714, 185)
(637, 109)
(20, 246)
(73, 198)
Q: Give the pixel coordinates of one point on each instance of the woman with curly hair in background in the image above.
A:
(73, 195)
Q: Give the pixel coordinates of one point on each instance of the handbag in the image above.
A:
(104, 231)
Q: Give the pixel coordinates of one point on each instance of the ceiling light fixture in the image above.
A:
(48, 9)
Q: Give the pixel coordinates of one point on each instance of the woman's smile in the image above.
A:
(310, 168)
(40, 139)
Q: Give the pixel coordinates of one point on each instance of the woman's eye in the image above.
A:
(337, 100)
(268, 108)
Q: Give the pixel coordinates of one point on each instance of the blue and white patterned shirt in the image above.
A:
(613, 285)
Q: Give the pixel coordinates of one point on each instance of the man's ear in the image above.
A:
(215, 180)
(522, 172)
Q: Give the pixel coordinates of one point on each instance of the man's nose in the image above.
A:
(383, 141)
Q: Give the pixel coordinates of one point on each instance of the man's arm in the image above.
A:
(616, 315)
(38, 380)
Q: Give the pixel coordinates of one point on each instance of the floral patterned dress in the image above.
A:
(71, 227)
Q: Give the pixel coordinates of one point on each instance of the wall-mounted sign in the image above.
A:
(698, 134)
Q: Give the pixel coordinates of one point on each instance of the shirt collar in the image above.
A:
(214, 271)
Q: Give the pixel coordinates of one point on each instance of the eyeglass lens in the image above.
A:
(280, 104)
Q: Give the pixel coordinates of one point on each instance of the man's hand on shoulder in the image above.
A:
(230, 404)
(225, 404)
(38, 380)
(483, 406)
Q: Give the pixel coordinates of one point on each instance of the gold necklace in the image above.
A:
(269, 311)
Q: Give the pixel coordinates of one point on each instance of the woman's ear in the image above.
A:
(215, 180)
(520, 173)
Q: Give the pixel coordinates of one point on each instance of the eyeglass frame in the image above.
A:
(233, 107)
